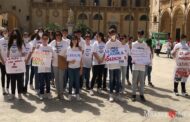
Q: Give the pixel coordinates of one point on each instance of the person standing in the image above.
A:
(158, 47)
(175, 53)
(139, 62)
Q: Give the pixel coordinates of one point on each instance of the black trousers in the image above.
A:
(17, 79)
(3, 74)
(105, 77)
(129, 67)
(97, 71)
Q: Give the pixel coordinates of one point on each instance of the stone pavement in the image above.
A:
(161, 103)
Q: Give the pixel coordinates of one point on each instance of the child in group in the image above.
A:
(75, 67)
(45, 72)
(175, 53)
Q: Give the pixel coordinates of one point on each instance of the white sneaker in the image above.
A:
(31, 87)
(12, 97)
(7, 90)
(73, 91)
(49, 96)
(4, 92)
(19, 96)
(91, 92)
(41, 97)
(78, 97)
(111, 98)
(69, 98)
(184, 94)
(99, 91)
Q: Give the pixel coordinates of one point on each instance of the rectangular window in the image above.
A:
(137, 3)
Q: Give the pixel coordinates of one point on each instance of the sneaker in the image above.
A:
(142, 98)
(99, 91)
(4, 92)
(31, 87)
(78, 97)
(184, 94)
(119, 98)
(73, 91)
(111, 98)
(12, 97)
(91, 92)
(19, 96)
(150, 84)
(41, 97)
(133, 98)
(69, 97)
(129, 83)
(176, 93)
(49, 96)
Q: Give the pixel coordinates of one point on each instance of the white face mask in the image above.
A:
(26, 40)
(40, 34)
(5, 35)
(113, 37)
(183, 41)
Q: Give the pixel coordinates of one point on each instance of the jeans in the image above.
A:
(26, 77)
(66, 78)
(115, 76)
(123, 74)
(32, 72)
(74, 78)
(169, 53)
(44, 80)
(138, 76)
(19, 79)
(58, 74)
(129, 67)
(105, 77)
(97, 71)
(37, 83)
(148, 72)
(86, 76)
(3, 74)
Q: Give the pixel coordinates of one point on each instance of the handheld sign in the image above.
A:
(183, 64)
(15, 65)
(41, 59)
(115, 55)
(140, 56)
(74, 55)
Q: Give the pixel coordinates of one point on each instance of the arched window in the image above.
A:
(82, 16)
(144, 18)
(97, 2)
(124, 3)
(129, 17)
(82, 2)
(98, 17)
(109, 2)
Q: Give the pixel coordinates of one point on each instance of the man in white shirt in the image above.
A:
(140, 58)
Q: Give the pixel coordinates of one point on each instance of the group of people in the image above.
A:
(72, 59)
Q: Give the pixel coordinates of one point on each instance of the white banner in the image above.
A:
(41, 59)
(140, 56)
(74, 55)
(15, 65)
(115, 55)
(183, 63)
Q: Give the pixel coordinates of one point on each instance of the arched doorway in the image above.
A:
(9, 20)
(178, 24)
(188, 26)
(165, 22)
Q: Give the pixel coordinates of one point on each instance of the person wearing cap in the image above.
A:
(139, 62)
(3, 56)
(179, 47)
(114, 69)
(87, 61)
(28, 50)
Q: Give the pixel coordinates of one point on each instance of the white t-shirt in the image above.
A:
(3, 48)
(45, 49)
(59, 48)
(99, 49)
(110, 45)
(14, 51)
(28, 49)
(158, 45)
(169, 45)
(36, 43)
(143, 48)
(77, 63)
(82, 43)
(87, 56)
(67, 40)
(126, 47)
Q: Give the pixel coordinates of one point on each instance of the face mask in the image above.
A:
(5, 35)
(183, 41)
(113, 37)
(141, 40)
(26, 40)
(40, 34)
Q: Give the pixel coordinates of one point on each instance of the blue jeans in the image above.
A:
(115, 80)
(44, 80)
(86, 76)
(66, 78)
(74, 78)
(37, 83)
(148, 72)
(26, 77)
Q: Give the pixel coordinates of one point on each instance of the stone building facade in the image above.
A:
(127, 15)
